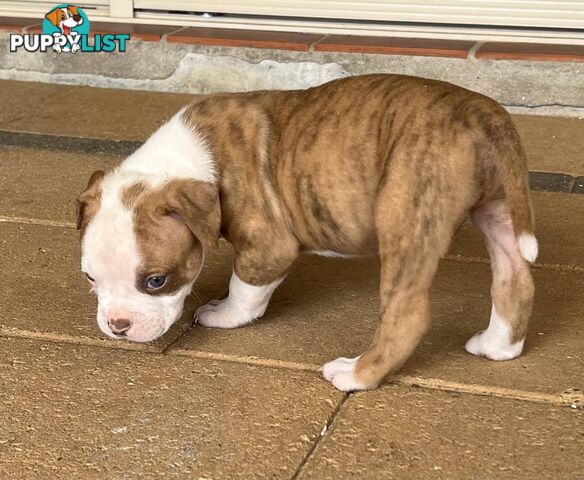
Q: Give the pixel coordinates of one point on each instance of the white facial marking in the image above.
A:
(494, 343)
(110, 250)
(528, 247)
(340, 373)
(243, 305)
(112, 259)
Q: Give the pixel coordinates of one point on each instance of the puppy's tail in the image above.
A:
(513, 174)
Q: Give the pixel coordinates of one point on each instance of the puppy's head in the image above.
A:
(67, 16)
(142, 246)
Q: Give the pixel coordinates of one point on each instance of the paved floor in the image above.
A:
(250, 403)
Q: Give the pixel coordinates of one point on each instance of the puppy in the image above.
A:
(65, 19)
(384, 164)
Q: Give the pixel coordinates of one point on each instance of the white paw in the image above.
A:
(221, 314)
(75, 48)
(340, 373)
(485, 344)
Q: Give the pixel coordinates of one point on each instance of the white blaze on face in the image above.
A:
(110, 251)
(111, 257)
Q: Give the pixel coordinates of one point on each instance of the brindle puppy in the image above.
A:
(383, 164)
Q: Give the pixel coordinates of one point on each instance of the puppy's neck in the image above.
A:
(174, 151)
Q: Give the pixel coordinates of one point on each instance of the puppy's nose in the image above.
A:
(76, 17)
(119, 325)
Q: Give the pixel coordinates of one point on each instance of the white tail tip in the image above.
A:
(528, 247)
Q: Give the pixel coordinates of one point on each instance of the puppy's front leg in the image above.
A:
(263, 255)
(243, 305)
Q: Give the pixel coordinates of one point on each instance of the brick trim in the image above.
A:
(304, 42)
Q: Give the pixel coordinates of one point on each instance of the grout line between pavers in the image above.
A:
(559, 399)
(403, 380)
(245, 359)
(539, 181)
(63, 338)
(37, 221)
(177, 339)
(320, 438)
(68, 143)
(452, 258)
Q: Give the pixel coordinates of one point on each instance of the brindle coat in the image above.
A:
(383, 164)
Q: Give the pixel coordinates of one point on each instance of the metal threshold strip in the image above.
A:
(356, 27)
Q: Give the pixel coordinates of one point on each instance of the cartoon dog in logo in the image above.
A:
(65, 19)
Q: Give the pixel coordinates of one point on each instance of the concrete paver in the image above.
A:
(45, 184)
(79, 412)
(553, 144)
(45, 293)
(412, 434)
(329, 307)
(100, 113)
(23, 99)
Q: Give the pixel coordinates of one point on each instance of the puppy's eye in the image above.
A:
(91, 279)
(156, 282)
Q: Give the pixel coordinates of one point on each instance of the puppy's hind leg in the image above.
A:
(512, 288)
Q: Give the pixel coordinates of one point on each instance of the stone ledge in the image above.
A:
(206, 60)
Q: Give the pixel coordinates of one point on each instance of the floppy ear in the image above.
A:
(53, 16)
(72, 9)
(87, 203)
(197, 204)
